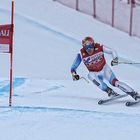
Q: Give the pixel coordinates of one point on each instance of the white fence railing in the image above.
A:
(138, 2)
(121, 14)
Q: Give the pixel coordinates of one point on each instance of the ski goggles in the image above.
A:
(88, 44)
(88, 47)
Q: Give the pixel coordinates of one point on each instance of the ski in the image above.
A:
(111, 99)
(131, 103)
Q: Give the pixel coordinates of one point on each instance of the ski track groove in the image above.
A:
(41, 25)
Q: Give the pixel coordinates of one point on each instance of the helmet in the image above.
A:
(88, 43)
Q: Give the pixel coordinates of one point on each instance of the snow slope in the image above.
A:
(47, 104)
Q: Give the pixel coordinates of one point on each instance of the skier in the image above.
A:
(92, 55)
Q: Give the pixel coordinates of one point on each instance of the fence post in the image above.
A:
(77, 4)
(94, 8)
(131, 17)
(113, 11)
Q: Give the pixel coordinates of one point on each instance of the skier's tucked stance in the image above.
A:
(92, 55)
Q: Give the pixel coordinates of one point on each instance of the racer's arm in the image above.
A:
(110, 51)
(76, 63)
(113, 53)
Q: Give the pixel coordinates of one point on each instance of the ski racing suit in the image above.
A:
(99, 69)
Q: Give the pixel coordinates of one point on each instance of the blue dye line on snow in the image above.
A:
(16, 83)
(67, 110)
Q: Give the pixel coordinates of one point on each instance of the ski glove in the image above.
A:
(114, 61)
(75, 76)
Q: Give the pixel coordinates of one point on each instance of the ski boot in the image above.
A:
(134, 95)
(111, 92)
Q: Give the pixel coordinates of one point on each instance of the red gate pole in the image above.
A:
(94, 8)
(113, 8)
(11, 54)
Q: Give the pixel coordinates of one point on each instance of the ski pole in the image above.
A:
(84, 79)
(128, 63)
